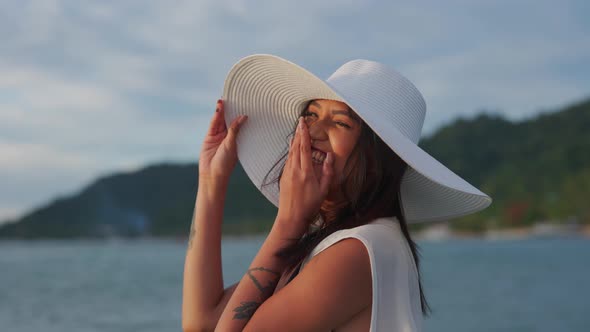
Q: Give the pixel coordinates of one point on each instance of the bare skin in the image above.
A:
(332, 292)
(204, 297)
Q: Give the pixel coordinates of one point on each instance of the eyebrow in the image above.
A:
(346, 112)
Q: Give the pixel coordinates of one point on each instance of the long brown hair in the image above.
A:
(372, 174)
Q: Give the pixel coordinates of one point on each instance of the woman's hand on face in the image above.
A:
(301, 192)
(219, 152)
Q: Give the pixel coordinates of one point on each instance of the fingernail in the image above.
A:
(328, 158)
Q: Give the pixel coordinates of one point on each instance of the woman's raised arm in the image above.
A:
(300, 197)
(203, 296)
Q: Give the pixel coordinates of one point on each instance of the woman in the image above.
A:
(339, 255)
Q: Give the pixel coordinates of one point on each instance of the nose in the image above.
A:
(317, 131)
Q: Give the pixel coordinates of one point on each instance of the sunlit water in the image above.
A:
(472, 285)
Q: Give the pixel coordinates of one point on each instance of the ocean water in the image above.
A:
(120, 285)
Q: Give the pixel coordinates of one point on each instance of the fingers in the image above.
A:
(305, 147)
(217, 124)
(235, 126)
(327, 174)
(288, 161)
(290, 157)
(295, 154)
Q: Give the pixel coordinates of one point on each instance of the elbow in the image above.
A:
(186, 328)
(193, 329)
(197, 324)
(196, 330)
(196, 327)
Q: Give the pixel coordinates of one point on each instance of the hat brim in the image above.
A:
(272, 91)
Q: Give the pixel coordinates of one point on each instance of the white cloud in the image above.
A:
(93, 86)
(23, 157)
(510, 78)
(38, 90)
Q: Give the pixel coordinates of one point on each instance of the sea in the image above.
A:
(539, 284)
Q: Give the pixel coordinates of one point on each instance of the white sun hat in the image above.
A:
(273, 91)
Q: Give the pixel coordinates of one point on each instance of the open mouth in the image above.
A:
(317, 156)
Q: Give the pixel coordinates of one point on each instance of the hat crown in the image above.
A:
(371, 86)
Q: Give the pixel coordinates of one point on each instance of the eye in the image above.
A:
(343, 124)
(308, 113)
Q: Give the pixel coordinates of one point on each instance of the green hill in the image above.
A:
(157, 200)
(535, 170)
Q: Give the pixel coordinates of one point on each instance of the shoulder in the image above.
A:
(378, 229)
(346, 255)
(381, 237)
(334, 286)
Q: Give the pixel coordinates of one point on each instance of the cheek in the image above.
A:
(342, 152)
(342, 146)
(339, 163)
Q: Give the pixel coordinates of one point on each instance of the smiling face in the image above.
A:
(335, 128)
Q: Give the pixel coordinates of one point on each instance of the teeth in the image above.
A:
(318, 157)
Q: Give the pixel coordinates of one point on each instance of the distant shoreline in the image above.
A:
(439, 232)
(539, 230)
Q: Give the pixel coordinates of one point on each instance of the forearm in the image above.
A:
(203, 279)
(257, 285)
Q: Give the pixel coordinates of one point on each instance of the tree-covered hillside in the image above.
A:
(535, 170)
(157, 200)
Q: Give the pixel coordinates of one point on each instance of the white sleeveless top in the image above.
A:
(396, 294)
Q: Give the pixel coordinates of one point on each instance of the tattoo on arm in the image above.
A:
(247, 309)
(271, 283)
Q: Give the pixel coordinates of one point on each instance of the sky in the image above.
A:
(88, 88)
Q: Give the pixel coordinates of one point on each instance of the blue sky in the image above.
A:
(92, 87)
